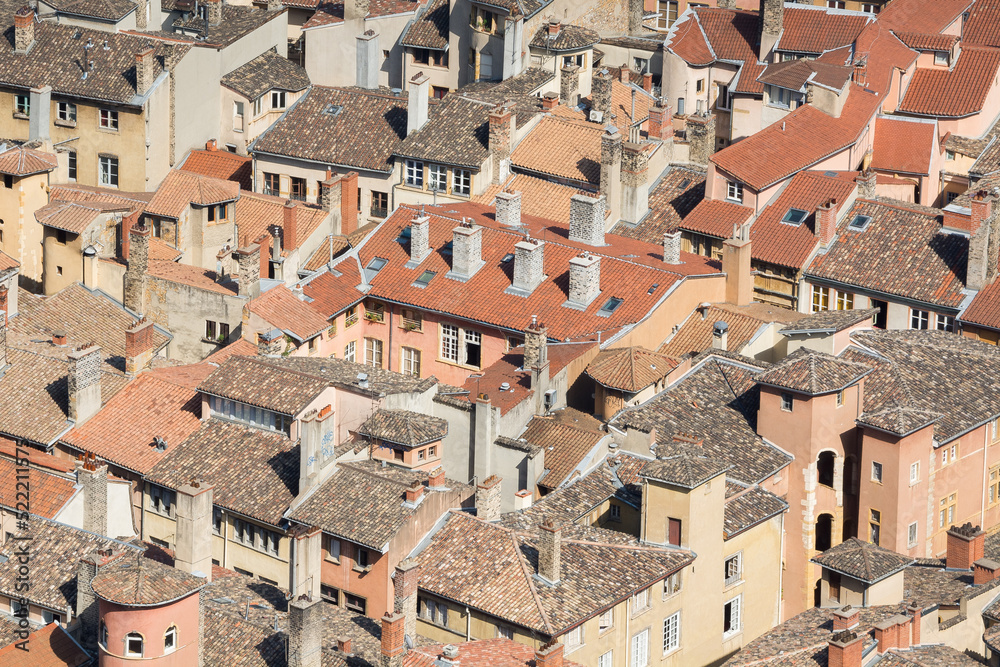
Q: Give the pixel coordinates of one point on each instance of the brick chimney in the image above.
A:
(414, 493)
(138, 262)
(59, 338)
(344, 645)
(317, 436)
(867, 180)
(501, 141)
(466, 251)
(24, 29)
(307, 559)
(844, 649)
(826, 221)
(892, 633)
(145, 73)
(368, 61)
(248, 260)
(661, 122)
(672, 247)
(270, 343)
(193, 548)
(404, 598)
(772, 19)
(305, 632)
(488, 498)
(508, 208)
(586, 219)
(436, 478)
(416, 109)
(611, 169)
(139, 343)
(393, 642)
(550, 101)
(965, 546)
(213, 9)
(549, 545)
(978, 274)
(985, 570)
(211, 145)
(349, 203)
(549, 655)
(647, 82)
(846, 618)
(93, 477)
(624, 73)
(569, 85)
(289, 225)
(916, 613)
(584, 280)
(536, 344)
(736, 266)
(420, 239)
(84, 383)
(529, 265)
(600, 94)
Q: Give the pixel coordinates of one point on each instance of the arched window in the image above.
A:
(824, 466)
(103, 635)
(133, 644)
(170, 640)
(824, 530)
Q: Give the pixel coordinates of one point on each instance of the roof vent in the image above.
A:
(332, 110)
(504, 386)
(159, 444)
(363, 380)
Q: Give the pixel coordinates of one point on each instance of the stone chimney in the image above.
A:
(270, 343)
(193, 548)
(289, 226)
(24, 30)
(844, 649)
(867, 181)
(550, 101)
(488, 498)
(316, 442)
(213, 9)
(551, 654)
(404, 599)
(39, 120)
(144, 70)
(600, 94)
(84, 383)
(981, 269)
(549, 545)
(586, 219)
(826, 222)
(508, 207)
(307, 551)
(330, 193)
(720, 336)
(368, 57)
(305, 632)
(984, 571)
(139, 344)
(965, 546)
(636, 9)
(501, 141)
(772, 19)
(135, 275)
(739, 276)
(466, 251)
(635, 183)
(661, 122)
(248, 259)
(701, 137)
(611, 168)
(846, 618)
(536, 344)
(416, 108)
(356, 9)
(87, 608)
(529, 265)
(393, 640)
(93, 477)
(672, 247)
(726, 4)
(3, 340)
(569, 85)
(584, 280)
(420, 239)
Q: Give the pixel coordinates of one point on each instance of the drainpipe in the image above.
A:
(982, 506)
(468, 625)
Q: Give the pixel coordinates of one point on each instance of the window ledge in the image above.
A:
(107, 130)
(22, 116)
(65, 123)
(361, 570)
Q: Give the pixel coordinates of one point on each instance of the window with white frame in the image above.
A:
(170, 639)
(606, 620)
(249, 414)
(108, 170)
(787, 401)
(22, 105)
(49, 616)
(574, 638)
(919, 319)
(820, 298)
(414, 173)
(672, 584)
(238, 116)
(911, 535)
(914, 472)
(723, 100)
(780, 97)
(671, 633)
(349, 351)
(732, 621)
(462, 346)
(133, 645)
(640, 601)
(640, 649)
(277, 99)
(434, 612)
(845, 300)
(373, 352)
(941, 58)
(161, 500)
(734, 569)
(411, 361)
(606, 659)
(437, 177)
(461, 182)
(108, 119)
(870, 7)
(258, 106)
(734, 191)
(944, 322)
(66, 112)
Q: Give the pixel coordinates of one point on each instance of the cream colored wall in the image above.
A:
(62, 262)
(22, 234)
(651, 332)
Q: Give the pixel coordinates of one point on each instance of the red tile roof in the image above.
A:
(816, 29)
(240, 348)
(731, 33)
(689, 41)
(563, 148)
(21, 161)
(73, 216)
(696, 332)
(50, 491)
(159, 250)
(256, 212)
(539, 197)
(500, 652)
(903, 145)
(192, 276)
(927, 16)
(7, 262)
(960, 91)
(327, 13)
(280, 308)
(630, 369)
(336, 290)
(927, 42)
(985, 307)
(777, 242)
(716, 218)
(221, 164)
(51, 646)
(180, 189)
(983, 26)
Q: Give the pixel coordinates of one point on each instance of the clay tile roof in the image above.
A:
(221, 164)
(142, 582)
(539, 197)
(261, 383)
(984, 310)
(180, 189)
(256, 213)
(813, 373)
(280, 308)
(983, 26)
(74, 217)
(731, 33)
(160, 250)
(687, 469)
(83, 193)
(323, 126)
(960, 91)
(430, 31)
(899, 420)
(716, 217)
(51, 489)
(21, 161)
(630, 369)
(671, 199)
(102, 9)
(927, 42)
(268, 71)
(457, 132)
(562, 148)
(940, 655)
(7, 262)
(569, 38)
(862, 560)
(403, 427)
(688, 41)
(51, 646)
(892, 134)
(816, 29)
(237, 22)
(695, 333)
(327, 13)
(749, 507)
(829, 321)
(795, 74)
(192, 276)
(923, 16)
(566, 442)
(500, 652)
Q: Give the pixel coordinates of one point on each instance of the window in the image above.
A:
(845, 300)
(569, 61)
(331, 548)
(944, 322)
(821, 298)
(734, 191)
(170, 639)
(415, 173)
(272, 184)
(267, 541)
(277, 99)
(994, 426)
(217, 521)
(914, 472)
(66, 112)
(919, 319)
(699, 86)
(103, 635)
(108, 119)
(411, 362)
(258, 106)
(787, 401)
(640, 649)
(243, 532)
(666, 13)
(911, 535)
(49, 616)
(435, 612)
(795, 216)
(108, 168)
(61, 238)
(373, 352)
(836, 4)
(941, 58)
(161, 500)
(672, 584)
(723, 101)
(731, 620)
(423, 280)
(133, 644)
(18, 609)
(616, 512)
(870, 7)
(473, 348)
(380, 204)
(22, 105)
(505, 631)
(355, 603)
(994, 486)
(671, 633)
(470, 351)
(421, 56)
(949, 155)
(606, 620)
(606, 659)
(859, 223)
(780, 97)
(238, 116)
(673, 532)
(680, 106)
(248, 414)
(640, 601)
(330, 594)
(349, 351)
(640, 65)
(949, 455)
(375, 311)
(840, 398)
(734, 569)
(350, 317)
(461, 182)
(874, 526)
(437, 178)
(876, 472)
(298, 188)
(431, 451)
(71, 163)
(946, 511)
(574, 638)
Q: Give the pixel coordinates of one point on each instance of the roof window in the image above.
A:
(653, 288)
(860, 222)
(830, 174)
(795, 216)
(686, 182)
(425, 278)
(374, 266)
(610, 306)
(332, 110)
(507, 258)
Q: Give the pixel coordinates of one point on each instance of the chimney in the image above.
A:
(289, 226)
(486, 433)
(549, 655)
(393, 640)
(584, 280)
(87, 608)
(867, 181)
(211, 145)
(965, 546)
(984, 571)
(550, 101)
(488, 498)
(701, 137)
(846, 618)
(845, 648)
(3, 340)
(344, 645)
(529, 265)
(145, 74)
(672, 247)
(522, 500)
(416, 109)
(600, 95)
(248, 259)
(414, 492)
(624, 74)
(635, 183)
(554, 28)
(586, 219)
(826, 222)
(466, 251)
(772, 18)
(549, 545)
(93, 477)
(720, 336)
(329, 193)
(611, 168)
(436, 479)
(59, 338)
(420, 239)
(139, 344)
(536, 345)
(449, 656)
(214, 11)
(368, 56)
(736, 266)
(135, 275)
(887, 634)
(508, 208)
(636, 10)
(356, 9)
(978, 263)
(647, 82)
(501, 141)
(915, 613)
(305, 632)
(24, 29)
(307, 557)
(404, 600)
(349, 203)
(316, 437)
(270, 343)
(40, 108)
(661, 122)
(84, 383)
(569, 85)
(193, 549)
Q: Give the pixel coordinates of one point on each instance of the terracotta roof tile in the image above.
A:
(928, 41)
(159, 250)
(180, 189)
(430, 31)
(562, 148)
(539, 197)
(716, 217)
(671, 199)
(500, 652)
(221, 164)
(403, 427)
(817, 29)
(7, 262)
(74, 217)
(795, 74)
(925, 16)
(51, 489)
(327, 13)
(689, 41)
(829, 321)
(688, 469)
(695, 334)
(630, 369)
(566, 445)
(983, 26)
(569, 38)
(321, 256)
(138, 581)
(280, 308)
(259, 382)
(239, 347)
(335, 290)
(813, 373)
(862, 560)
(21, 161)
(257, 213)
(985, 307)
(960, 91)
(456, 132)
(51, 646)
(136, 201)
(748, 508)
(192, 276)
(898, 420)
(237, 22)
(268, 71)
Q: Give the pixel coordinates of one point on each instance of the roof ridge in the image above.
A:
(523, 562)
(373, 475)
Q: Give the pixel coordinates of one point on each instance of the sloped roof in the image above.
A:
(671, 199)
(258, 382)
(817, 29)
(539, 197)
(456, 132)
(180, 189)
(983, 26)
(960, 91)
(687, 469)
(695, 334)
(813, 373)
(569, 38)
(863, 561)
(403, 427)
(51, 646)
(899, 420)
(985, 307)
(221, 164)
(138, 581)
(795, 74)
(925, 16)
(21, 161)
(566, 442)
(280, 308)
(563, 148)
(829, 321)
(430, 31)
(630, 369)
(928, 41)
(268, 71)
(716, 217)
(903, 146)
(74, 217)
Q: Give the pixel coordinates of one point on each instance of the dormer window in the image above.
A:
(941, 58)
(734, 191)
(277, 99)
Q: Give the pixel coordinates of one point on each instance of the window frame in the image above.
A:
(461, 182)
(437, 178)
(734, 191)
(107, 119)
(66, 112)
(820, 298)
(874, 526)
(787, 402)
(877, 472)
(673, 620)
(912, 534)
(108, 167)
(278, 100)
(639, 649)
(172, 633)
(920, 320)
(272, 184)
(22, 105)
(374, 352)
(413, 173)
(409, 361)
(129, 652)
(732, 580)
(736, 611)
(914, 472)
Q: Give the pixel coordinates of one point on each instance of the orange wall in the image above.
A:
(152, 623)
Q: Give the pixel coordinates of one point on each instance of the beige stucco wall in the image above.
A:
(22, 235)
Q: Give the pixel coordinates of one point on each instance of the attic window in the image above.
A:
(507, 258)
(424, 279)
(653, 288)
(374, 267)
(609, 307)
(795, 216)
(686, 182)
(860, 222)
(830, 174)
(332, 110)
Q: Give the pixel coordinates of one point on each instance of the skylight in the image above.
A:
(332, 109)
(860, 222)
(686, 182)
(424, 279)
(374, 266)
(610, 306)
(795, 216)
(506, 258)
